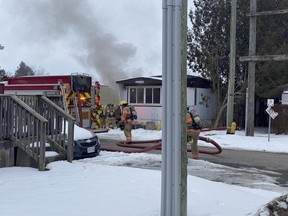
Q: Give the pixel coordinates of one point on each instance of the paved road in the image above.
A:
(253, 159)
(272, 164)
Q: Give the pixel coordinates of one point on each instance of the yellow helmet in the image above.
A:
(123, 102)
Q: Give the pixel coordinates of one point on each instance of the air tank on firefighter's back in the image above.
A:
(81, 83)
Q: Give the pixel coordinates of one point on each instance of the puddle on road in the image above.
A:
(246, 177)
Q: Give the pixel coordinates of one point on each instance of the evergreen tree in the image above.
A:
(272, 77)
(209, 46)
(24, 70)
(3, 74)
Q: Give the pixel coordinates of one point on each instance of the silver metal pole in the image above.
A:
(269, 128)
(164, 188)
(172, 110)
(176, 103)
(168, 117)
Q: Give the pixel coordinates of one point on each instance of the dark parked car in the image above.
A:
(86, 143)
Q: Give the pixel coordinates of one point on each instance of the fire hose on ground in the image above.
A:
(149, 145)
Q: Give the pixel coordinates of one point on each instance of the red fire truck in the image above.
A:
(81, 98)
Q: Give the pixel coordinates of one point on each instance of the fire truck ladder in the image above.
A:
(64, 98)
(76, 107)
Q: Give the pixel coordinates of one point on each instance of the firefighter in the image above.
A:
(117, 113)
(102, 117)
(127, 121)
(193, 131)
(110, 120)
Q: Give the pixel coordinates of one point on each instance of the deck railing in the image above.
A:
(60, 126)
(24, 127)
(33, 122)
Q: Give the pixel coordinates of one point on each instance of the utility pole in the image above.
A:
(174, 82)
(252, 59)
(251, 71)
(231, 84)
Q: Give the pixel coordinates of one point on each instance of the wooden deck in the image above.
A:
(31, 123)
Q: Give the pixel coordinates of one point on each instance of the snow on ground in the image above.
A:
(108, 185)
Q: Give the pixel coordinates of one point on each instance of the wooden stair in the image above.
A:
(31, 122)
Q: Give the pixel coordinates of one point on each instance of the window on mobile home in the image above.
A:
(140, 95)
(148, 96)
(144, 95)
(156, 95)
(132, 95)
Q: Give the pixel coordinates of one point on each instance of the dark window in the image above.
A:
(132, 95)
(81, 83)
(147, 95)
(156, 95)
(140, 95)
(148, 98)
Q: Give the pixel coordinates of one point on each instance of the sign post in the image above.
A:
(269, 128)
(272, 114)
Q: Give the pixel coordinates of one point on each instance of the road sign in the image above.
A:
(270, 102)
(271, 112)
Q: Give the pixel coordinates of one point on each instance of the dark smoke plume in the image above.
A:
(73, 22)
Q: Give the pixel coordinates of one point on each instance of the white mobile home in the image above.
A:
(145, 94)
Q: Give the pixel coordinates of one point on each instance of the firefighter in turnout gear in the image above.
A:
(193, 131)
(127, 121)
(110, 119)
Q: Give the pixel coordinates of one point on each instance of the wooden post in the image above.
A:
(70, 140)
(252, 59)
(231, 84)
(251, 71)
(42, 142)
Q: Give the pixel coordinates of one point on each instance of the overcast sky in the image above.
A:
(110, 39)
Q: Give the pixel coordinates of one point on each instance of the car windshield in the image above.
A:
(80, 133)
